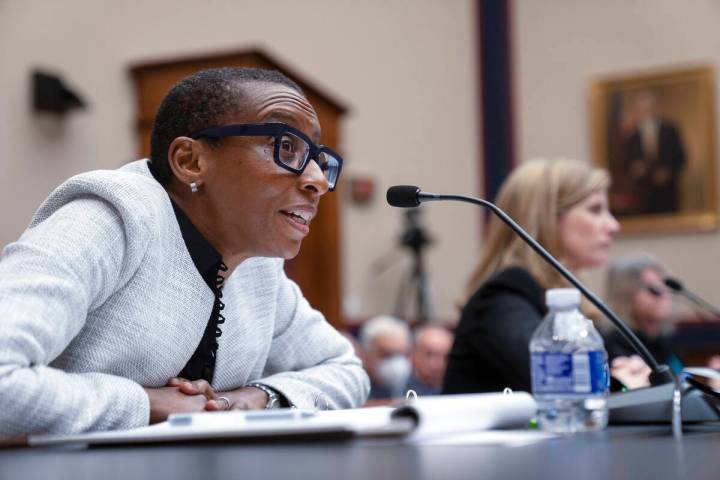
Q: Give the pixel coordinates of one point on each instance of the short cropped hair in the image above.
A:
(382, 325)
(202, 100)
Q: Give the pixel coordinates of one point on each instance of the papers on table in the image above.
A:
(703, 372)
(427, 419)
(505, 438)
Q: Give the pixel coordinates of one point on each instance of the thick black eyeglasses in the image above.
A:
(293, 149)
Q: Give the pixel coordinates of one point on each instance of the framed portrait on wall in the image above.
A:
(655, 133)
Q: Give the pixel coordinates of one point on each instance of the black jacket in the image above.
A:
(659, 347)
(491, 342)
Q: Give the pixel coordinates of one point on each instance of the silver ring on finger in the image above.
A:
(227, 402)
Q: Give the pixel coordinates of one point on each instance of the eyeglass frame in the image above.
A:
(655, 290)
(275, 130)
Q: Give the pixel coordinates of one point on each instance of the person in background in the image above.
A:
(655, 157)
(564, 205)
(636, 292)
(429, 359)
(386, 342)
(159, 287)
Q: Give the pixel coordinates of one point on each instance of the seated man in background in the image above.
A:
(386, 342)
(429, 359)
(159, 287)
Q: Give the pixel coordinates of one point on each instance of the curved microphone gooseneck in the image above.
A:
(678, 288)
(406, 196)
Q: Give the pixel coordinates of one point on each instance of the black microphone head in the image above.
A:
(403, 196)
(673, 284)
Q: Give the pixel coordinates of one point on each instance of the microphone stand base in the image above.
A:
(654, 405)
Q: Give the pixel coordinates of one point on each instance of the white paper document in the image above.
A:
(504, 438)
(703, 372)
(424, 419)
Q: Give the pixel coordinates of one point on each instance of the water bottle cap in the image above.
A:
(562, 298)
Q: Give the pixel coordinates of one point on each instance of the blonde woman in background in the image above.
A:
(564, 205)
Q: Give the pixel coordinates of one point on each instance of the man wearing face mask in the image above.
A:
(386, 341)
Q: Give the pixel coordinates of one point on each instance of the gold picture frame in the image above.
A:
(654, 131)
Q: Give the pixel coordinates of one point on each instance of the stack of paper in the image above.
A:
(424, 418)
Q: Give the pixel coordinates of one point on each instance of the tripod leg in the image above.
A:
(421, 290)
(401, 297)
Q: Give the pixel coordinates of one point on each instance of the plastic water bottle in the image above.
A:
(569, 367)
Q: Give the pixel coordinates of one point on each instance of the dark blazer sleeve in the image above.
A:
(492, 339)
(617, 346)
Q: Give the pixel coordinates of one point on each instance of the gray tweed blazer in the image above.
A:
(100, 297)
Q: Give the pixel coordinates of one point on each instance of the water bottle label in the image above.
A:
(569, 373)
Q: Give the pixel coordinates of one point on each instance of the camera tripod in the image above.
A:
(415, 285)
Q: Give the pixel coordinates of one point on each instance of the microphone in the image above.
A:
(407, 196)
(677, 287)
(646, 405)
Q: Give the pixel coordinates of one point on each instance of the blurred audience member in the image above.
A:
(386, 341)
(429, 359)
(636, 292)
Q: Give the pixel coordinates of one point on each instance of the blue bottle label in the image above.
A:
(569, 373)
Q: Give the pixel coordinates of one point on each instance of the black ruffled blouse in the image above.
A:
(209, 263)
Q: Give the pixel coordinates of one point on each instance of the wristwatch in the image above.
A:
(273, 398)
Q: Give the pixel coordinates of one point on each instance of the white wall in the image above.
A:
(561, 45)
(405, 67)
